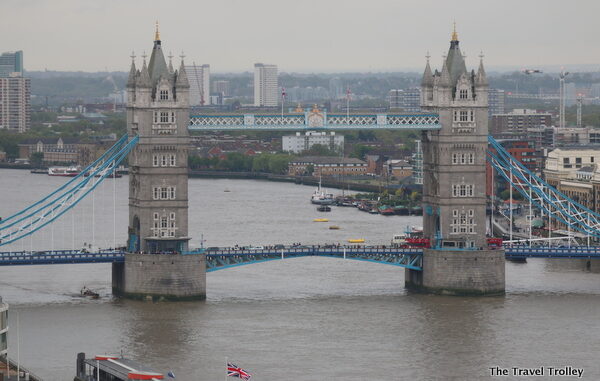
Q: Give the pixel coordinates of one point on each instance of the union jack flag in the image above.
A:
(235, 371)
(283, 92)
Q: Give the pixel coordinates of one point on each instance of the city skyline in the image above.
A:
(337, 36)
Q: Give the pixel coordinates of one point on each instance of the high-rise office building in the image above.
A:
(15, 106)
(408, 100)
(265, 85)
(496, 100)
(11, 62)
(221, 88)
(199, 78)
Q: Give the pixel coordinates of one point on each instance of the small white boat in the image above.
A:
(64, 171)
(322, 198)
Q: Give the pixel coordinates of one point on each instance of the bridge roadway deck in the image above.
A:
(229, 257)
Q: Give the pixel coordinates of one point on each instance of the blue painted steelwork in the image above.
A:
(58, 205)
(545, 197)
(15, 258)
(223, 259)
(109, 153)
(408, 258)
(313, 120)
(552, 252)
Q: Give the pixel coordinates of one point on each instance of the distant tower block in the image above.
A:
(158, 112)
(454, 200)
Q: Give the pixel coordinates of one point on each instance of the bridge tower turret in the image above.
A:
(454, 198)
(158, 112)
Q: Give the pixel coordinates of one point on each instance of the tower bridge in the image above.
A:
(157, 262)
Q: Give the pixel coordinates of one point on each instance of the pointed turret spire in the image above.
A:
(144, 78)
(455, 59)
(132, 72)
(445, 76)
(481, 77)
(427, 75)
(157, 65)
(182, 79)
(171, 63)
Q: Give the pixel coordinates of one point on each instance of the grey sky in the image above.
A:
(302, 36)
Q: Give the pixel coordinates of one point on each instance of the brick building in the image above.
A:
(327, 166)
(506, 126)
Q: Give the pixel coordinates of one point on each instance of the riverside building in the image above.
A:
(298, 143)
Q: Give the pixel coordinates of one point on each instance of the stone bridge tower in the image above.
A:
(454, 199)
(157, 263)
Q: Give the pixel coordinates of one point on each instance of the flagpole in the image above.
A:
(226, 368)
(348, 105)
(282, 101)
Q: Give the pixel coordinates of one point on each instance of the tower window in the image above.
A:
(463, 94)
(164, 117)
(164, 95)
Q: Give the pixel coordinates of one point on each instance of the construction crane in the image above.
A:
(561, 78)
(579, 103)
(200, 89)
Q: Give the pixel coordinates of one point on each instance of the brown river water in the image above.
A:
(297, 319)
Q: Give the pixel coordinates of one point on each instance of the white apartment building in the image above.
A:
(199, 79)
(15, 106)
(265, 85)
(298, 143)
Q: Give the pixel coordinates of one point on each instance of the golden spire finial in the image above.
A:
(157, 34)
(454, 34)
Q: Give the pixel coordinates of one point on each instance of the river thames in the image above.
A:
(297, 319)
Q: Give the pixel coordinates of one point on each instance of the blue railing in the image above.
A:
(229, 257)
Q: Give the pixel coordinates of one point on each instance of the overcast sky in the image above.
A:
(300, 36)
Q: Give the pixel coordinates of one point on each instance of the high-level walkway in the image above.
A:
(313, 120)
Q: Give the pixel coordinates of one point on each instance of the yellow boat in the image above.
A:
(358, 240)
(321, 220)
(334, 227)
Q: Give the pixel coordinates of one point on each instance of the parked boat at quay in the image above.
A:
(386, 210)
(322, 198)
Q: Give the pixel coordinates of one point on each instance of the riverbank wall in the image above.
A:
(304, 180)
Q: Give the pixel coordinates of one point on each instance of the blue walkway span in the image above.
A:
(227, 258)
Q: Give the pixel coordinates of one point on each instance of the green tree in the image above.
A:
(37, 159)
(260, 163)
(360, 150)
(279, 163)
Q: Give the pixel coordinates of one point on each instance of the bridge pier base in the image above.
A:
(459, 272)
(157, 277)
